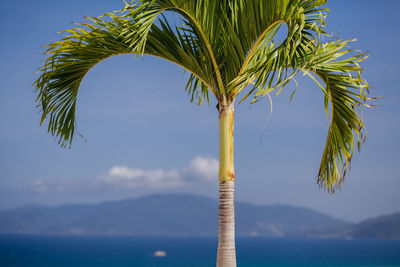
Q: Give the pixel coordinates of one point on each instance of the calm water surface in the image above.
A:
(56, 251)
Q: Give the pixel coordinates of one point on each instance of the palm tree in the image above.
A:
(228, 47)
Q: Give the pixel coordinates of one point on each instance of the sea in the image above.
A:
(84, 251)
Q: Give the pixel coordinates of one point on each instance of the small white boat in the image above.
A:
(159, 253)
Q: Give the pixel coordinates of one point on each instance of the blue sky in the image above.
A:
(144, 136)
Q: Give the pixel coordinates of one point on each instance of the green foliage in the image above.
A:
(225, 46)
(345, 92)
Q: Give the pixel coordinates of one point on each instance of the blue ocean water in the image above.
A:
(59, 251)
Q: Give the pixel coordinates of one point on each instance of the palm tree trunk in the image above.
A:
(226, 256)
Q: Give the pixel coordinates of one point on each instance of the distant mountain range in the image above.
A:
(187, 215)
(383, 227)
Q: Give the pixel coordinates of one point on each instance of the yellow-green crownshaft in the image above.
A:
(226, 121)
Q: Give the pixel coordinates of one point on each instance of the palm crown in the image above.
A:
(227, 47)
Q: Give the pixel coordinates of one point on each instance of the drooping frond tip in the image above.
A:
(68, 60)
(345, 92)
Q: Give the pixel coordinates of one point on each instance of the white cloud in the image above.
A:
(38, 186)
(200, 169)
(125, 172)
(42, 186)
(199, 172)
(133, 177)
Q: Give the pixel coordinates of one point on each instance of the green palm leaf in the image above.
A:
(73, 56)
(225, 46)
(345, 91)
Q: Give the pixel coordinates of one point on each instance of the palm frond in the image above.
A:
(345, 92)
(271, 63)
(200, 26)
(68, 61)
(132, 30)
